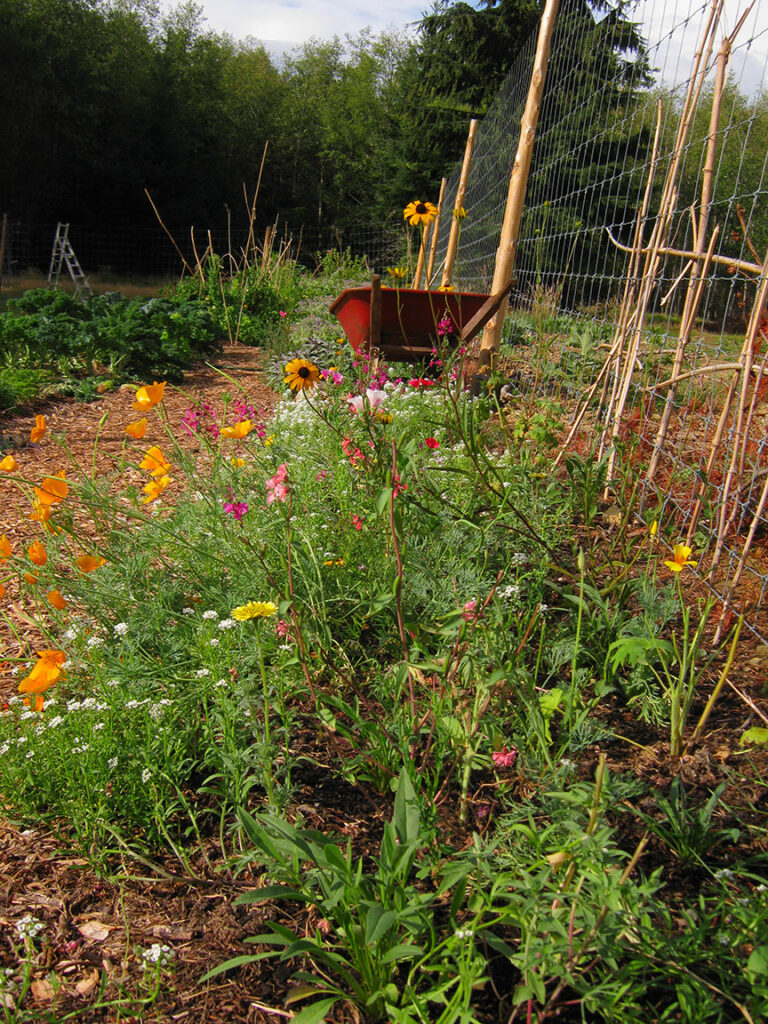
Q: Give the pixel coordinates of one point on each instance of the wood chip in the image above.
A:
(95, 931)
(88, 983)
(42, 990)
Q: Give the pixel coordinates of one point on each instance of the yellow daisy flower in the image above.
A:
(254, 610)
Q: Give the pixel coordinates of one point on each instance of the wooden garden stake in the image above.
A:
(435, 233)
(505, 255)
(3, 235)
(374, 330)
(453, 238)
(422, 257)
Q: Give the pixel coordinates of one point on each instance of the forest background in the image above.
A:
(104, 99)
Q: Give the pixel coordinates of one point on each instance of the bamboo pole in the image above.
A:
(738, 433)
(453, 238)
(745, 266)
(698, 269)
(435, 232)
(505, 255)
(667, 205)
(629, 297)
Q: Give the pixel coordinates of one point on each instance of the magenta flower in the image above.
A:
(504, 758)
(236, 509)
(444, 326)
(357, 522)
(432, 442)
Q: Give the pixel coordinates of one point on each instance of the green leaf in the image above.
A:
(315, 1012)
(378, 922)
(757, 735)
(406, 813)
(382, 500)
(272, 892)
(238, 961)
(403, 951)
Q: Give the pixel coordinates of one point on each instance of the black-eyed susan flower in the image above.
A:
(680, 558)
(459, 213)
(417, 213)
(301, 375)
(397, 273)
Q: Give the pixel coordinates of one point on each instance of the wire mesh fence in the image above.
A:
(641, 264)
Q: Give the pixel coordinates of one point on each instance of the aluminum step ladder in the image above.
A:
(64, 254)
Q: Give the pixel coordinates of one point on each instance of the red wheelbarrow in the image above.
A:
(403, 322)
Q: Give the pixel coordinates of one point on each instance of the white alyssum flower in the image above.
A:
(201, 673)
(94, 641)
(158, 953)
(120, 628)
(187, 611)
(210, 614)
(146, 775)
(214, 641)
(112, 763)
(227, 624)
(27, 927)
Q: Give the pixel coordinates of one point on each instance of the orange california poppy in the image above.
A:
(241, 429)
(9, 464)
(36, 553)
(138, 429)
(31, 578)
(155, 462)
(57, 599)
(2, 590)
(38, 430)
(87, 563)
(680, 558)
(52, 490)
(5, 548)
(148, 396)
(155, 488)
(45, 672)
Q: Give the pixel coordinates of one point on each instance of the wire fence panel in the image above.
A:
(641, 265)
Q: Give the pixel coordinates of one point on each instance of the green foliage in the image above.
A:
(245, 306)
(20, 387)
(52, 333)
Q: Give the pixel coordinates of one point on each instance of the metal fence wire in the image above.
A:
(641, 266)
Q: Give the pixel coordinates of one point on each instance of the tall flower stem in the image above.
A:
(268, 780)
(399, 593)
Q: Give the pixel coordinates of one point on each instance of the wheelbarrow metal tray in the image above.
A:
(409, 318)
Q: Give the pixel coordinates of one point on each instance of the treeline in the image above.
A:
(103, 99)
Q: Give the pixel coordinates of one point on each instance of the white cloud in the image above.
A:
(299, 20)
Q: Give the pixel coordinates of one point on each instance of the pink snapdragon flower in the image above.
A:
(277, 488)
(504, 758)
(374, 398)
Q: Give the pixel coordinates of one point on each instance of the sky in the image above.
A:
(283, 25)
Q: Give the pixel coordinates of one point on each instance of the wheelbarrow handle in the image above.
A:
(486, 311)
